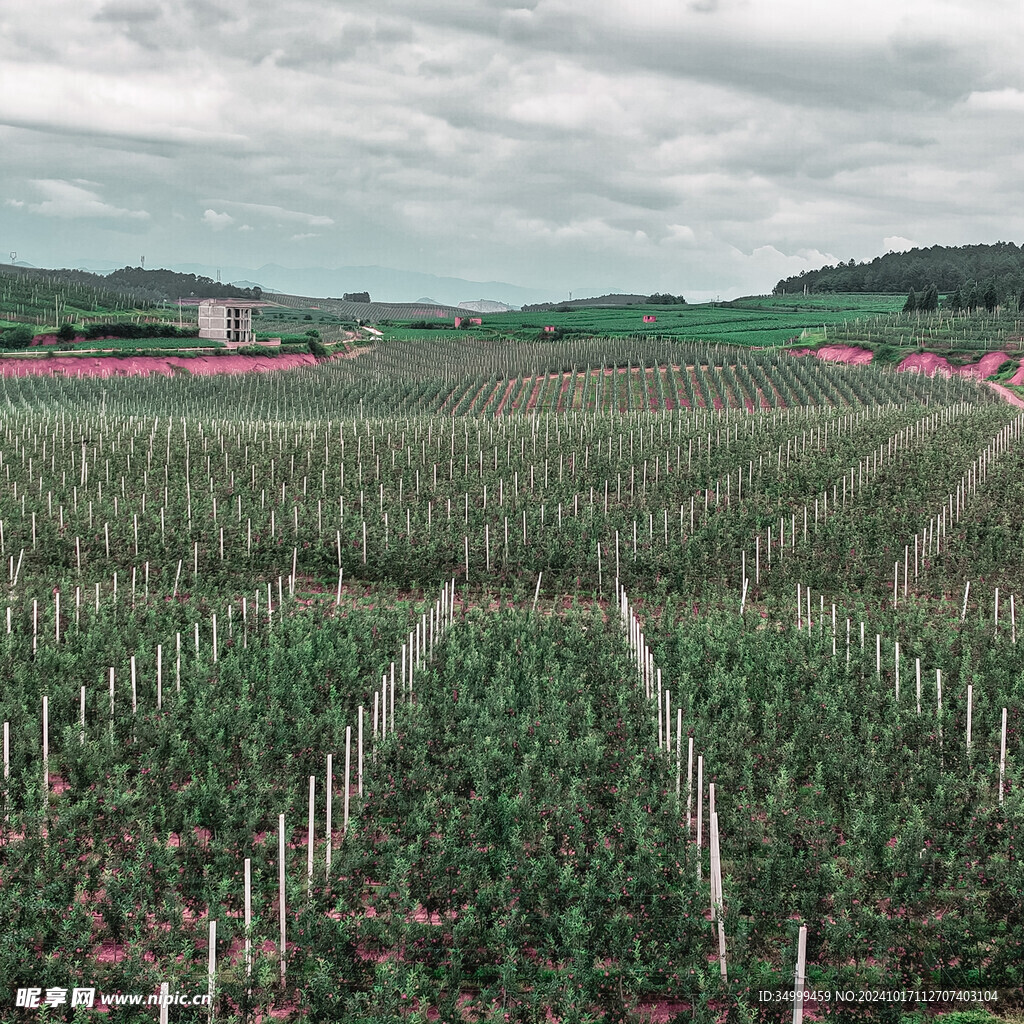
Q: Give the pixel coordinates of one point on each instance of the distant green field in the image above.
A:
(758, 321)
(418, 334)
(119, 344)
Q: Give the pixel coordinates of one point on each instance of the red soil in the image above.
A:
(505, 397)
(567, 380)
(927, 362)
(930, 363)
(143, 366)
(531, 402)
(698, 396)
(985, 367)
(837, 354)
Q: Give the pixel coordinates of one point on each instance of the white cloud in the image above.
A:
(304, 235)
(1008, 100)
(69, 200)
(16, 203)
(896, 243)
(217, 221)
(680, 233)
(280, 214)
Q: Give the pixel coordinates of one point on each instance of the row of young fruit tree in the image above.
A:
(345, 717)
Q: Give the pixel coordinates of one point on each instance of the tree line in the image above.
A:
(610, 300)
(171, 285)
(968, 299)
(969, 269)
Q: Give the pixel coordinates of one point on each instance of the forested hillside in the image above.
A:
(143, 285)
(948, 268)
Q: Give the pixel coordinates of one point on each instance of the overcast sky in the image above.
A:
(706, 147)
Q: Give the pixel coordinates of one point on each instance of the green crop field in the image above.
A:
(475, 679)
(761, 321)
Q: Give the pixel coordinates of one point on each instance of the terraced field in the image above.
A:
(585, 680)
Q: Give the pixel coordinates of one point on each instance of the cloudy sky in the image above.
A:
(706, 147)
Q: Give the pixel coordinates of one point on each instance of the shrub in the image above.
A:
(129, 330)
(17, 337)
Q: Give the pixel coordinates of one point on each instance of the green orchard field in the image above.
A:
(583, 680)
(760, 321)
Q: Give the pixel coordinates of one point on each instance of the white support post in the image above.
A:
(7, 768)
(716, 870)
(248, 917)
(798, 985)
(1002, 756)
(359, 754)
(310, 836)
(700, 814)
(348, 774)
(970, 709)
(46, 749)
(689, 786)
(281, 901)
(896, 659)
(329, 813)
(211, 967)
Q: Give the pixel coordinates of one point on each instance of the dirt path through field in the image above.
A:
(1006, 394)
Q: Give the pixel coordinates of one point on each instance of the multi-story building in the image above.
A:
(227, 320)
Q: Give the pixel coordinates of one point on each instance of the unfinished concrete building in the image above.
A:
(227, 320)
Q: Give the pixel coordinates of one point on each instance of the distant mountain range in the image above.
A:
(486, 306)
(384, 284)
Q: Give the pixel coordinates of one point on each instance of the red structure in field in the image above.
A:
(650, 319)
